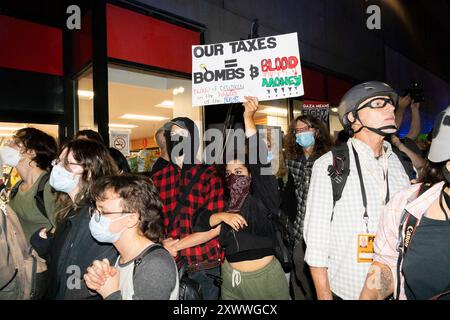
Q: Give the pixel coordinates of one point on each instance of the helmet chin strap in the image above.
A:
(380, 131)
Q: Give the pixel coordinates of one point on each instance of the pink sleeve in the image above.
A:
(385, 244)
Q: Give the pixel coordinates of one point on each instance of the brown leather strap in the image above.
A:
(205, 265)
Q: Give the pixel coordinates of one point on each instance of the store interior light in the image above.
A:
(335, 110)
(274, 111)
(10, 128)
(178, 90)
(165, 104)
(124, 126)
(86, 94)
(143, 117)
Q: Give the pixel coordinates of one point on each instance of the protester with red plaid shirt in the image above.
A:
(188, 233)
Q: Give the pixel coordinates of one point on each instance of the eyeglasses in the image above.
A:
(96, 213)
(378, 103)
(55, 162)
(300, 130)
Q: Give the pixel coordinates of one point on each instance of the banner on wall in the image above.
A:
(317, 109)
(121, 141)
(268, 68)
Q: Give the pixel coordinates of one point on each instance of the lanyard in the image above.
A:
(384, 182)
(363, 189)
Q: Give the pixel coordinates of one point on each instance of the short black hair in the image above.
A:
(120, 160)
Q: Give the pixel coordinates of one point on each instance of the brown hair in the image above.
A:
(41, 143)
(322, 138)
(89, 134)
(96, 162)
(139, 195)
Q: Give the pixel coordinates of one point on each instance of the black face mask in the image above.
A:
(172, 142)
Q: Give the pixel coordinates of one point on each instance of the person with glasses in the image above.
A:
(128, 214)
(70, 250)
(307, 140)
(333, 229)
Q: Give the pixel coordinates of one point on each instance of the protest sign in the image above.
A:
(268, 68)
(317, 109)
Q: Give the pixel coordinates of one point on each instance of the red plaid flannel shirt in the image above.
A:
(207, 192)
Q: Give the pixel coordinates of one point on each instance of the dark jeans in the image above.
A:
(210, 290)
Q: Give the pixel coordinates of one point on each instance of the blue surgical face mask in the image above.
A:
(100, 230)
(63, 180)
(305, 139)
(269, 156)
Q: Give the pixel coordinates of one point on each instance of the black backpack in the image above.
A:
(39, 196)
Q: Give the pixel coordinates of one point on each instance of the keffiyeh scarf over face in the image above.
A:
(239, 187)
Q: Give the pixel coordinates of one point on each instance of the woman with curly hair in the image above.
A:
(307, 140)
(128, 214)
(31, 152)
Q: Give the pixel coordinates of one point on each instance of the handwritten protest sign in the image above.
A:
(268, 68)
(317, 109)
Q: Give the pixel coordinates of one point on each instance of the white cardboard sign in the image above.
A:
(268, 68)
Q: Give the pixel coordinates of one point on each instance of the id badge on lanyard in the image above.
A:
(365, 247)
(364, 244)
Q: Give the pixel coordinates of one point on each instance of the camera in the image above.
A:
(415, 91)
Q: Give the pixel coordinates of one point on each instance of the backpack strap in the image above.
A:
(184, 192)
(138, 260)
(39, 196)
(339, 171)
(14, 190)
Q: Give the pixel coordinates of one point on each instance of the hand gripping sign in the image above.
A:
(268, 68)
